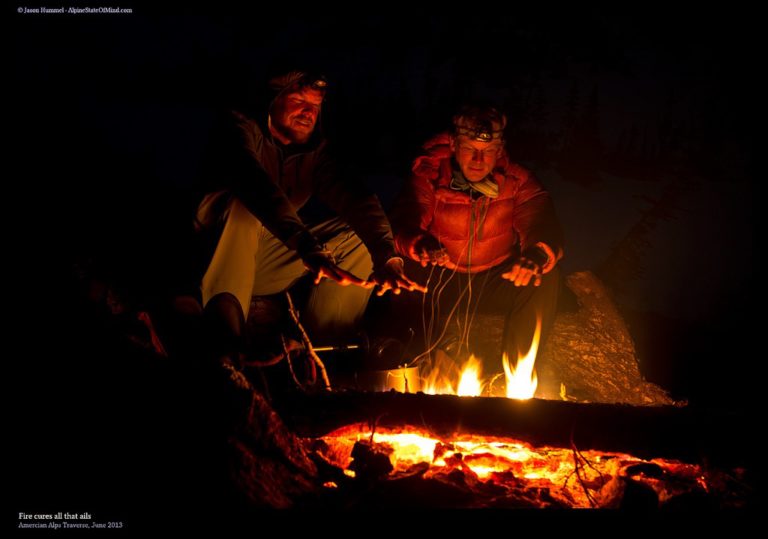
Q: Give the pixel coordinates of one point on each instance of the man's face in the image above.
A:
(295, 113)
(475, 158)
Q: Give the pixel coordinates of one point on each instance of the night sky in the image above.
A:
(619, 113)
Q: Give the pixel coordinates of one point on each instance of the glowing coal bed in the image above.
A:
(478, 471)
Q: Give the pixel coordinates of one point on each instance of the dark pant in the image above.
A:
(449, 309)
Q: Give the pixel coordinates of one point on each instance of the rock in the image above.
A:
(589, 353)
(268, 463)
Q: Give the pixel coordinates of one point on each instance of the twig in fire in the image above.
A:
(579, 461)
(307, 343)
(373, 423)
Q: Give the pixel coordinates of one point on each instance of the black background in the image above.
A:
(111, 122)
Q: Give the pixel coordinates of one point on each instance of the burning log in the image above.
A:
(449, 451)
(646, 432)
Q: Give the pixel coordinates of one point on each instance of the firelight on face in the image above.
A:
(295, 114)
(475, 158)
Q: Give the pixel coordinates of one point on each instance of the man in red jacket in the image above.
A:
(486, 232)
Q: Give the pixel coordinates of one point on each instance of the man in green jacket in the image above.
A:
(261, 246)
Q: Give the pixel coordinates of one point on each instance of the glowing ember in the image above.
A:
(521, 379)
(411, 447)
(545, 476)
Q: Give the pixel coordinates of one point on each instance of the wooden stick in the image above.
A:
(307, 343)
(290, 363)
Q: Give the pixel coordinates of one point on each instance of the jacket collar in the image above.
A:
(486, 187)
(314, 142)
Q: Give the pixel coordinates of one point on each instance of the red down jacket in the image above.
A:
(478, 233)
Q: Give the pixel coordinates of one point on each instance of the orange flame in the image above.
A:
(440, 379)
(469, 381)
(438, 382)
(521, 379)
(446, 378)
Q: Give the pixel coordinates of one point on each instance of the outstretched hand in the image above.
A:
(523, 272)
(428, 250)
(391, 276)
(321, 264)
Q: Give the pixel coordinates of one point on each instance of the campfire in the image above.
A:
(506, 472)
(454, 436)
(520, 379)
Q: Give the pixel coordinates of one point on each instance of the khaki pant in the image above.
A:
(249, 261)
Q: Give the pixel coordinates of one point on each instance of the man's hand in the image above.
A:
(428, 250)
(391, 276)
(322, 264)
(524, 270)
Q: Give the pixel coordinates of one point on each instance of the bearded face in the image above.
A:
(294, 114)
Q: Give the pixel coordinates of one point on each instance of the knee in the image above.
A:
(546, 295)
(186, 306)
(212, 209)
(551, 278)
(223, 315)
(549, 288)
